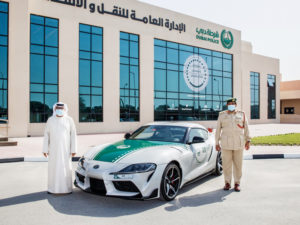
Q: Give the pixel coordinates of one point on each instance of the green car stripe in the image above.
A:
(118, 150)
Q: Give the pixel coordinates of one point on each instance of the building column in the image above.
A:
(18, 68)
(146, 79)
(111, 78)
(68, 66)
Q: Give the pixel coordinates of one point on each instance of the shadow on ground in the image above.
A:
(86, 204)
(205, 198)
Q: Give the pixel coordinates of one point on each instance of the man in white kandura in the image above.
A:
(59, 146)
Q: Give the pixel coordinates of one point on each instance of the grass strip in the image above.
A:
(280, 139)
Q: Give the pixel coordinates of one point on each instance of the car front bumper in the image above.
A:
(100, 178)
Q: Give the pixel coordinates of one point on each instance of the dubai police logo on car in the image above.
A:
(123, 146)
(226, 39)
(195, 73)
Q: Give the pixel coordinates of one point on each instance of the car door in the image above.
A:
(201, 151)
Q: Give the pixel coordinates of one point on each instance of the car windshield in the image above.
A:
(160, 133)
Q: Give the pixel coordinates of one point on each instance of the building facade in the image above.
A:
(121, 64)
(290, 101)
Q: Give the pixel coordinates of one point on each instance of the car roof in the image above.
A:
(182, 124)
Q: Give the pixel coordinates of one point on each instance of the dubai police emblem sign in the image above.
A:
(226, 39)
(195, 73)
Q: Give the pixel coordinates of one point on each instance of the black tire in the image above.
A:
(219, 167)
(170, 182)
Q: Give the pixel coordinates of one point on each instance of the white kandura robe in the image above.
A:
(59, 142)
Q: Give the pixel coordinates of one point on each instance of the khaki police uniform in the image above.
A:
(232, 133)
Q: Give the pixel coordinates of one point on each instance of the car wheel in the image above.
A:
(219, 166)
(170, 182)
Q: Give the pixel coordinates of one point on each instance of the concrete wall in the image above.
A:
(289, 118)
(264, 66)
(291, 103)
(69, 19)
(290, 94)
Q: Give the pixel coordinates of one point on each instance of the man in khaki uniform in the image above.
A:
(232, 136)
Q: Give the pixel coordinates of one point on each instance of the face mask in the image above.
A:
(59, 112)
(231, 107)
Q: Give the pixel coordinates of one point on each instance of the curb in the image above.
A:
(75, 159)
(272, 156)
(31, 159)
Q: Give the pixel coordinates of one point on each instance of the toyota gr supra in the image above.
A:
(155, 161)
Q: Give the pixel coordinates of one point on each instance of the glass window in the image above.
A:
(271, 84)
(43, 67)
(254, 91)
(129, 77)
(197, 133)
(173, 98)
(90, 74)
(160, 133)
(36, 68)
(160, 53)
(51, 37)
(3, 60)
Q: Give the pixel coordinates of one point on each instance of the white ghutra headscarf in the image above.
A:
(65, 108)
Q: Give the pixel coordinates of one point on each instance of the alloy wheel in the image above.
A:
(172, 181)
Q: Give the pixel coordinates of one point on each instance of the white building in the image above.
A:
(121, 64)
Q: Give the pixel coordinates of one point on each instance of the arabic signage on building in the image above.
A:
(226, 37)
(124, 13)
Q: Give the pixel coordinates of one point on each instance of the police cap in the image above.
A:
(231, 100)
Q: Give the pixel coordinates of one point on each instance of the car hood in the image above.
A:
(134, 150)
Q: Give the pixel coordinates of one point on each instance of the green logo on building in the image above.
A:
(226, 39)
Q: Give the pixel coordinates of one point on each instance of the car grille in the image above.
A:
(97, 186)
(127, 186)
(80, 177)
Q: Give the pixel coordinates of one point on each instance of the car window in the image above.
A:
(197, 132)
(160, 133)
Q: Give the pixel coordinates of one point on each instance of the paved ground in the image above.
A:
(272, 129)
(270, 195)
(32, 147)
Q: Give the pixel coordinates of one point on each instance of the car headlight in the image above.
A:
(81, 162)
(138, 168)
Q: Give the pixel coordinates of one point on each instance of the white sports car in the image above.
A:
(154, 161)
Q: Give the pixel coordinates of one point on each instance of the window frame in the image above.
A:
(255, 75)
(44, 115)
(90, 114)
(123, 110)
(6, 117)
(271, 112)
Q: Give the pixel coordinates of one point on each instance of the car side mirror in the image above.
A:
(197, 139)
(127, 135)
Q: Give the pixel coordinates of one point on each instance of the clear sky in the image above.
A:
(272, 26)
